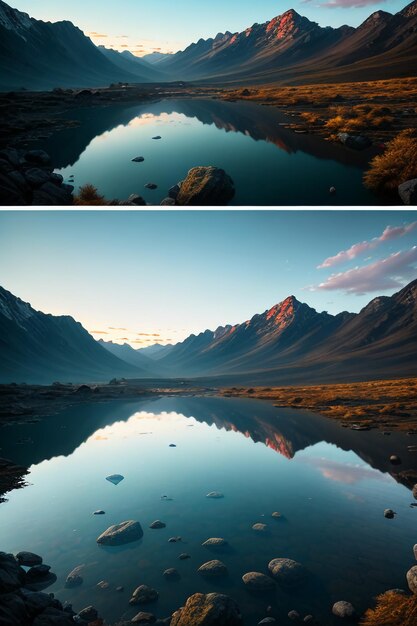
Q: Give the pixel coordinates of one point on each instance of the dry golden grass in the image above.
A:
(392, 609)
(396, 165)
(89, 196)
(360, 117)
(381, 404)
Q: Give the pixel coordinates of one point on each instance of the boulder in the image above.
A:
(53, 617)
(415, 551)
(12, 576)
(184, 556)
(49, 194)
(260, 528)
(40, 157)
(171, 574)
(215, 542)
(276, 515)
(357, 142)
(151, 186)
(174, 191)
(267, 620)
(255, 581)
(157, 524)
(389, 513)
(13, 610)
(408, 192)
(215, 495)
(99, 512)
(138, 159)
(294, 616)
(157, 137)
(395, 459)
(414, 491)
(74, 579)
(122, 533)
(213, 569)
(144, 595)
(143, 618)
(37, 572)
(115, 478)
(167, 202)
(89, 614)
(28, 559)
(205, 186)
(412, 579)
(136, 200)
(287, 571)
(36, 177)
(343, 609)
(213, 609)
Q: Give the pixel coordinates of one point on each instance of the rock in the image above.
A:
(12, 576)
(309, 619)
(49, 194)
(144, 595)
(408, 192)
(172, 445)
(294, 616)
(332, 190)
(415, 551)
(37, 601)
(36, 572)
(138, 159)
(103, 584)
(213, 569)
(119, 589)
(167, 202)
(184, 556)
(36, 177)
(144, 618)
(389, 513)
(215, 495)
(412, 579)
(174, 539)
(11, 155)
(54, 617)
(414, 491)
(357, 142)
(39, 157)
(394, 459)
(13, 610)
(213, 609)
(135, 199)
(115, 478)
(151, 186)
(343, 609)
(260, 528)
(57, 179)
(157, 137)
(157, 524)
(287, 571)
(267, 620)
(122, 533)
(276, 515)
(171, 574)
(174, 191)
(206, 186)
(28, 559)
(99, 512)
(74, 579)
(215, 542)
(258, 582)
(89, 614)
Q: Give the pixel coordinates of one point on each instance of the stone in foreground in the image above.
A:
(122, 533)
(255, 581)
(343, 609)
(287, 571)
(144, 595)
(412, 579)
(408, 192)
(213, 569)
(205, 186)
(28, 559)
(213, 609)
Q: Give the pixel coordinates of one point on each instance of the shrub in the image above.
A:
(396, 165)
(89, 196)
(392, 609)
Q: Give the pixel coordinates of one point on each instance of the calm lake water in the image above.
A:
(330, 484)
(270, 165)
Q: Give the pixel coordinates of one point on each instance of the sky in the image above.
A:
(142, 277)
(145, 26)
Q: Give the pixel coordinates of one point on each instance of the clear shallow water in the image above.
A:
(330, 484)
(269, 164)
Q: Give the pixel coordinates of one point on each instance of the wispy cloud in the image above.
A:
(99, 332)
(345, 4)
(390, 233)
(114, 328)
(149, 335)
(97, 35)
(385, 274)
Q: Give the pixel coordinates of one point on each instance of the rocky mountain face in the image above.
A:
(291, 342)
(40, 348)
(42, 55)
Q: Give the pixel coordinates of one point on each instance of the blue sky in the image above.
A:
(172, 25)
(155, 275)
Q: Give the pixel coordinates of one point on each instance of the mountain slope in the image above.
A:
(42, 55)
(129, 63)
(40, 348)
(125, 352)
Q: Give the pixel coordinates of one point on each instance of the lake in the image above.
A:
(270, 165)
(330, 484)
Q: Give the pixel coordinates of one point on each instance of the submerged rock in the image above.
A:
(74, 579)
(157, 524)
(138, 159)
(122, 533)
(206, 186)
(99, 512)
(184, 556)
(287, 571)
(213, 568)
(213, 609)
(215, 542)
(294, 616)
(89, 614)
(389, 513)
(258, 582)
(151, 186)
(260, 528)
(144, 595)
(215, 495)
(143, 618)
(115, 479)
(171, 574)
(343, 609)
(267, 620)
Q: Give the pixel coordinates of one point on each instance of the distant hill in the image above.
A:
(156, 352)
(42, 55)
(291, 343)
(137, 358)
(134, 65)
(39, 348)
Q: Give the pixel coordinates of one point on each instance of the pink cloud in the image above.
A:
(390, 233)
(385, 274)
(347, 4)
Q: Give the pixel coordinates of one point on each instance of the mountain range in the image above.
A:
(289, 49)
(287, 344)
